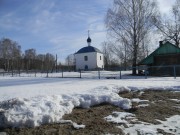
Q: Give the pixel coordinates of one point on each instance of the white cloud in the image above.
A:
(97, 26)
(8, 21)
(41, 5)
(165, 5)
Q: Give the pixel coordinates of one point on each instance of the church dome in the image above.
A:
(89, 40)
(88, 49)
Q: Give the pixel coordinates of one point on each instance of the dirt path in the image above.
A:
(160, 107)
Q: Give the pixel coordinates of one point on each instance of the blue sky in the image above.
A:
(56, 26)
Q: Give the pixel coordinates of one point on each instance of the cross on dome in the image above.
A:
(88, 39)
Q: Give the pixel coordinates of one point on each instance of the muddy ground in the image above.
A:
(160, 107)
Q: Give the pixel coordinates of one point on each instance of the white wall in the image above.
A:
(100, 62)
(92, 62)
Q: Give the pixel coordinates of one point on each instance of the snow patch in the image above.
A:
(75, 125)
(119, 117)
(171, 125)
(176, 100)
(143, 105)
(137, 100)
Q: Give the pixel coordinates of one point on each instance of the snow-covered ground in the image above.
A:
(32, 101)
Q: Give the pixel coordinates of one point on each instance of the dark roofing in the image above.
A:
(88, 49)
(89, 40)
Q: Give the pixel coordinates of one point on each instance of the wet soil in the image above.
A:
(160, 105)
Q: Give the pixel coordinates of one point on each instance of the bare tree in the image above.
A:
(170, 26)
(70, 62)
(115, 54)
(10, 53)
(49, 62)
(40, 58)
(129, 21)
(29, 57)
(106, 49)
(11, 58)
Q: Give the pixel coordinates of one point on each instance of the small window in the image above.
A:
(86, 58)
(86, 67)
(100, 57)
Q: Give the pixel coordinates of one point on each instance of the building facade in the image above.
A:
(89, 58)
(166, 54)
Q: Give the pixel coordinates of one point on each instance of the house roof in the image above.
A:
(88, 49)
(167, 48)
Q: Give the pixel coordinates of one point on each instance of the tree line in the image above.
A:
(12, 58)
(131, 24)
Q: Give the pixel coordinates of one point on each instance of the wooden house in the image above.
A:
(163, 60)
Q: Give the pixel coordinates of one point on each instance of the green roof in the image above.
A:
(166, 48)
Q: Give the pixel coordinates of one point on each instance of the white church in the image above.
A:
(89, 58)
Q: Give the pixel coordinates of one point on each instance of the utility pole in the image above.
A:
(56, 63)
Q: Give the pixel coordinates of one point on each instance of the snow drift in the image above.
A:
(24, 112)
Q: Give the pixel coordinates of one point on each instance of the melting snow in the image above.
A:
(176, 100)
(34, 101)
(75, 125)
(143, 128)
(137, 100)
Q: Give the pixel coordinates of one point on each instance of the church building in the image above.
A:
(89, 57)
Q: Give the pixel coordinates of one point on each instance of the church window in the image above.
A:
(100, 57)
(86, 58)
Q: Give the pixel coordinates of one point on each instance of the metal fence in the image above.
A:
(113, 73)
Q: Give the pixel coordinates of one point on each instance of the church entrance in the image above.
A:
(86, 67)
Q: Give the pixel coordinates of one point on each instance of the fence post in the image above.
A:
(80, 73)
(120, 74)
(146, 72)
(35, 73)
(12, 73)
(62, 73)
(47, 73)
(174, 72)
(19, 72)
(99, 74)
